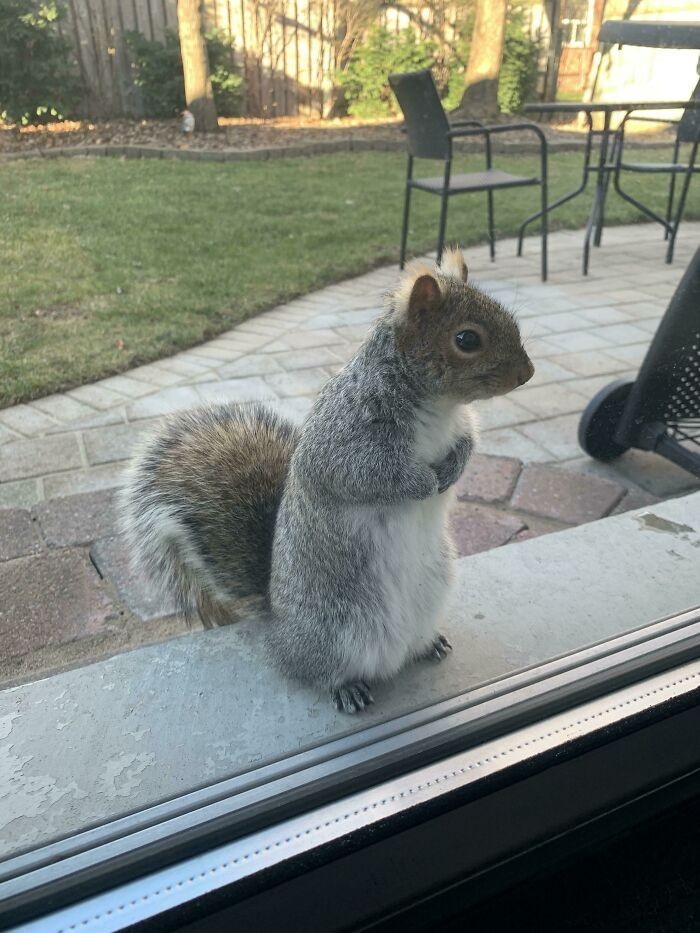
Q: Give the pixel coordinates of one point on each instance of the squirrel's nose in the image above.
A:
(524, 372)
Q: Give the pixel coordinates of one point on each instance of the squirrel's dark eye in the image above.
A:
(468, 340)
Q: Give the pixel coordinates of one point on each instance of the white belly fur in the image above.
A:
(415, 556)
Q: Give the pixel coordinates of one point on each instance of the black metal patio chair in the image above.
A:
(687, 131)
(660, 410)
(430, 136)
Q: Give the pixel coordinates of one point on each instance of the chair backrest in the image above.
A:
(667, 387)
(426, 122)
(689, 123)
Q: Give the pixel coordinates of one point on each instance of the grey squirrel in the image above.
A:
(335, 533)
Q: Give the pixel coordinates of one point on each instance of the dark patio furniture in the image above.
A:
(660, 410)
(687, 131)
(430, 136)
(603, 165)
(661, 35)
(650, 34)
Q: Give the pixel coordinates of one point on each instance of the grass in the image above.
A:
(107, 263)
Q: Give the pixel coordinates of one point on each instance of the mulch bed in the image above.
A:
(240, 134)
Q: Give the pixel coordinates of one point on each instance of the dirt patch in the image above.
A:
(233, 133)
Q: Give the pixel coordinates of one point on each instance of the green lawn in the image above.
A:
(108, 263)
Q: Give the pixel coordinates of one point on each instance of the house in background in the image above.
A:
(572, 66)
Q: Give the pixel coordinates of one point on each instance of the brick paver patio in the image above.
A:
(68, 592)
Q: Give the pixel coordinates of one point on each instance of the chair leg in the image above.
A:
(600, 221)
(546, 209)
(406, 211)
(671, 189)
(492, 234)
(669, 206)
(590, 227)
(679, 212)
(647, 211)
(404, 229)
(443, 225)
(544, 229)
(443, 208)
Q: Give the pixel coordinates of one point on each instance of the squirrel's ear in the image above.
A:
(453, 264)
(425, 295)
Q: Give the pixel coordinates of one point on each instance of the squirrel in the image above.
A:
(335, 533)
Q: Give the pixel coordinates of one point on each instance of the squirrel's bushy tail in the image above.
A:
(200, 504)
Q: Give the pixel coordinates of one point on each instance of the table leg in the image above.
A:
(606, 184)
(566, 197)
(595, 218)
(590, 223)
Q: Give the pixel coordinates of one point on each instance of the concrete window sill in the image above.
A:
(89, 745)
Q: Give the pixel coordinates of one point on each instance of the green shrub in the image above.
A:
(157, 70)
(38, 77)
(226, 83)
(364, 79)
(518, 77)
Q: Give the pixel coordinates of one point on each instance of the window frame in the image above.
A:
(123, 851)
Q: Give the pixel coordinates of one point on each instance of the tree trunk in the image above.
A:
(551, 78)
(480, 98)
(595, 59)
(195, 66)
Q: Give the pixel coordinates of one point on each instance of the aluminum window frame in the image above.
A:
(122, 851)
(311, 868)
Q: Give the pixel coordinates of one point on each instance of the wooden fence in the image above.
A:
(287, 50)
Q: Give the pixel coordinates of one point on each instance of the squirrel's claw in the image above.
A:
(438, 649)
(445, 642)
(352, 698)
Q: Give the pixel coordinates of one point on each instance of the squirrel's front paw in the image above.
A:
(352, 698)
(451, 467)
(438, 649)
(423, 484)
(447, 473)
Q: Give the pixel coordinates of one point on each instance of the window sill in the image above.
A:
(203, 711)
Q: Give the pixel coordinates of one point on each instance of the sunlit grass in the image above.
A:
(107, 263)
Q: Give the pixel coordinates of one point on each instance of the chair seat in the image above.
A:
(474, 181)
(669, 167)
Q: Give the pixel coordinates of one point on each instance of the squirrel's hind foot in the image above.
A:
(352, 697)
(438, 649)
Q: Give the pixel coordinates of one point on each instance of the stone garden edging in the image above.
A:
(264, 153)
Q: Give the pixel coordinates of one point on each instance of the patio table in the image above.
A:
(602, 165)
(658, 34)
